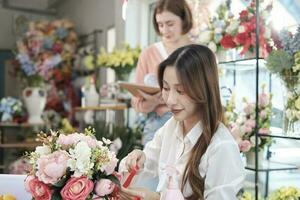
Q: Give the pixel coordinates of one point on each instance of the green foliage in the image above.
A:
(130, 137)
(278, 61)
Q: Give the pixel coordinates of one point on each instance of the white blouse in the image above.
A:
(221, 165)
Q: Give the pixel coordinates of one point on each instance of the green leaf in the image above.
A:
(278, 61)
(114, 179)
(56, 195)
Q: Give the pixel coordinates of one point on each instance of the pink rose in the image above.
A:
(250, 122)
(110, 167)
(249, 108)
(27, 180)
(247, 129)
(263, 100)
(262, 114)
(245, 145)
(38, 189)
(52, 167)
(77, 188)
(65, 140)
(104, 187)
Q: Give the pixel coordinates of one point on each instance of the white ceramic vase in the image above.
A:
(35, 102)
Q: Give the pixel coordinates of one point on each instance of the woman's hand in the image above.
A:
(142, 193)
(136, 158)
(151, 101)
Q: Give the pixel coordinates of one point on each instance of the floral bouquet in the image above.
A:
(242, 32)
(45, 52)
(213, 34)
(285, 61)
(74, 166)
(11, 109)
(122, 61)
(285, 193)
(243, 128)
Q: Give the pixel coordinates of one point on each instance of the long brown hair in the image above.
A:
(196, 69)
(177, 7)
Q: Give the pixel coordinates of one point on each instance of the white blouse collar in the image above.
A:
(192, 135)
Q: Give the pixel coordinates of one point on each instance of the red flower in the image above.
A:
(242, 38)
(227, 42)
(244, 15)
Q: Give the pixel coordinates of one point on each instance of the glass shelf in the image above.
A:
(268, 166)
(243, 64)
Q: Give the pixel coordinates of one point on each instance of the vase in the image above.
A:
(91, 96)
(35, 102)
(250, 156)
(122, 73)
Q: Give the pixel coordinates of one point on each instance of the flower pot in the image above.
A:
(35, 101)
(250, 156)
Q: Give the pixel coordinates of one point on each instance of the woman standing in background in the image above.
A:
(172, 20)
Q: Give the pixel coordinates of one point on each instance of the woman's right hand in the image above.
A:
(150, 102)
(136, 158)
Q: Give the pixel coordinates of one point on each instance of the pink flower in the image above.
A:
(247, 129)
(262, 114)
(110, 167)
(245, 145)
(250, 123)
(104, 187)
(38, 189)
(263, 100)
(77, 188)
(249, 108)
(52, 167)
(236, 133)
(264, 131)
(65, 140)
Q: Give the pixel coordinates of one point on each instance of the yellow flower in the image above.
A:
(297, 103)
(7, 197)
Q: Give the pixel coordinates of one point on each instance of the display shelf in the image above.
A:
(20, 145)
(21, 125)
(242, 64)
(268, 166)
(280, 136)
(106, 106)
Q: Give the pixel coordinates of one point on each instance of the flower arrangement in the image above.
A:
(243, 128)
(45, 52)
(11, 109)
(285, 193)
(241, 32)
(74, 166)
(246, 196)
(213, 34)
(122, 60)
(285, 60)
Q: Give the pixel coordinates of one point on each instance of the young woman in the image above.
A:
(172, 20)
(194, 140)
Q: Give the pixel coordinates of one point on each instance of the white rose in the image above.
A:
(241, 29)
(232, 27)
(212, 46)
(252, 140)
(43, 150)
(205, 36)
(218, 30)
